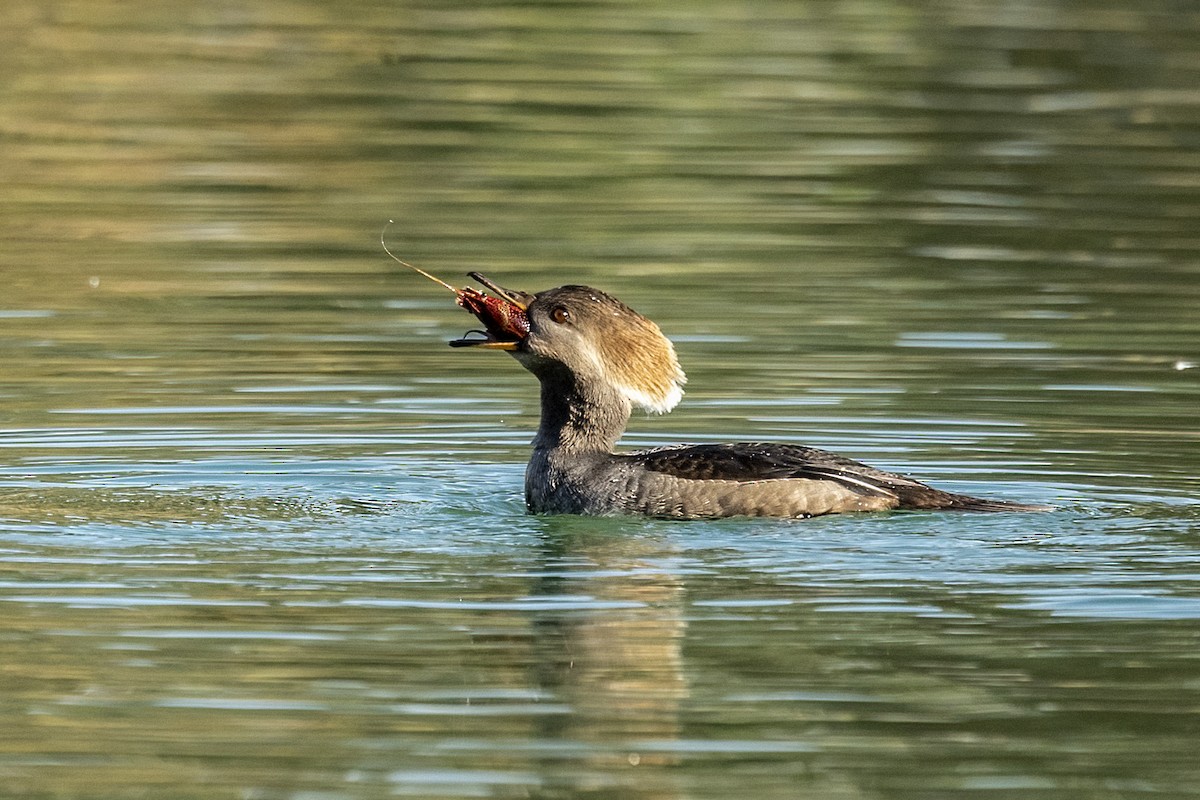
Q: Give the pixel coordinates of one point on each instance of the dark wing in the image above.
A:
(764, 461)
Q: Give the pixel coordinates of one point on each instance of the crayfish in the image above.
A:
(503, 316)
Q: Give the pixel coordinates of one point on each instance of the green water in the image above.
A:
(261, 531)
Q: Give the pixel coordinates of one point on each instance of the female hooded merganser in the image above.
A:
(597, 359)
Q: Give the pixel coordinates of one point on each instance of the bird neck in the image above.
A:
(579, 415)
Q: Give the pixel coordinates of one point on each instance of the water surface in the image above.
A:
(261, 532)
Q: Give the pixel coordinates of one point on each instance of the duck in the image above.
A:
(596, 360)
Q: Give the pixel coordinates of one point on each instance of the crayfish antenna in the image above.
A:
(382, 241)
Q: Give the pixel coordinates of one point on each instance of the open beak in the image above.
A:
(518, 298)
(503, 316)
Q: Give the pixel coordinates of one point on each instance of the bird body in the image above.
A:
(596, 360)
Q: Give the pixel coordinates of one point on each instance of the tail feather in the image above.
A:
(926, 497)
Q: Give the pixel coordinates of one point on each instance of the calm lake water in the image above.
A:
(261, 531)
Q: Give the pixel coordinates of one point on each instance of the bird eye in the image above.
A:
(560, 315)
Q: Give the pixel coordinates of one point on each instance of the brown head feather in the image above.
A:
(626, 349)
